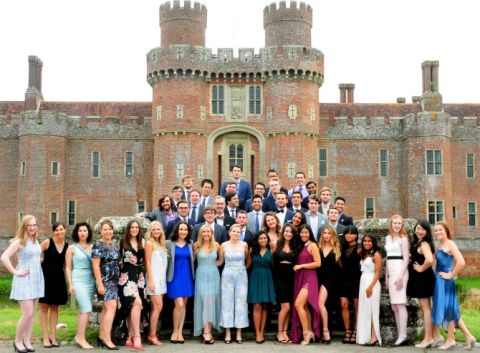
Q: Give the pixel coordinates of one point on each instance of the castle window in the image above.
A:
(254, 100)
(55, 169)
(454, 211)
(235, 155)
(218, 100)
(129, 164)
(470, 165)
(53, 217)
(20, 217)
(292, 111)
(369, 207)
(434, 162)
(140, 206)
(71, 212)
(472, 213)
(322, 158)
(179, 111)
(291, 169)
(180, 170)
(95, 164)
(435, 211)
(23, 168)
(383, 163)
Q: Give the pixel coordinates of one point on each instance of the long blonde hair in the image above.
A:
(402, 232)
(199, 242)
(161, 239)
(21, 233)
(334, 240)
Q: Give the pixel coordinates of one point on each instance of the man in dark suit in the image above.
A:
(196, 209)
(326, 200)
(296, 199)
(206, 197)
(231, 208)
(272, 173)
(312, 190)
(269, 202)
(187, 187)
(220, 217)
(163, 213)
(342, 217)
(219, 232)
(283, 213)
(183, 210)
(245, 234)
(244, 189)
(332, 216)
(258, 190)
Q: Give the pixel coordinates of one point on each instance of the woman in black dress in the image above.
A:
(421, 280)
(54, 250)
(327, 273)
(131, 285)
(285, 257)
(349, 285)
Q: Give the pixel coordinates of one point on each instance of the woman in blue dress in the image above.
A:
(180, 276)
(234, 285)
(78, 268)
(261, 289)
(105, 259)
(445, 309)
(28, 283)
(206, 314)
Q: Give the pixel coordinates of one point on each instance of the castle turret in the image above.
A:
(291, 26)
(183, 25)
(33, 95)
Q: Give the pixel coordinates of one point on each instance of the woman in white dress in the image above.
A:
(396, 275)
(156, 265)
(368, 321)
(28, 283)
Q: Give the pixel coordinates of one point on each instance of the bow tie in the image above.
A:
(280, 211)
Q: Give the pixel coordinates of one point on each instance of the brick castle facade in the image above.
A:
(73, 161)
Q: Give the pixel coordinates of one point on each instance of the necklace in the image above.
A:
(83, 246)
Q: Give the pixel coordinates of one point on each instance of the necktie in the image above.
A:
(232, 213)
(242, 236)
(194, 213)
(257, 222)
(203, 202)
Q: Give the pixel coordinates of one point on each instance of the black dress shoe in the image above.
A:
(16, 349)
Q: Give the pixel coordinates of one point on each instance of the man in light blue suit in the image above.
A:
(244, 189)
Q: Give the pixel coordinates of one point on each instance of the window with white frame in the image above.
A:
(71, 212)
(383, 163)
(254, 100)
(322, 158)
(95, 164)
(218, 100)
(472, 213)
(55, 169)
(23, 168)
(435, 211)
(140, 206)
(434, 162)
(53, 217)
(129, 164)
(470, 165)
(369, 207)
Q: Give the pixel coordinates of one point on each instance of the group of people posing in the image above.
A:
(235, 251)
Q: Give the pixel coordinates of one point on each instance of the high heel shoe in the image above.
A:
(437, 342)
(29, 349)
(447, 345)
(310, 339)
(16, 349)
(204, 340)
(371, 344)
(325, 341)
(424, 345)
(129, 341)
(102, 345)
(471, 342)
(54, 345)
(278, 339)
(154, 341)
(79, 345)
(137, 343)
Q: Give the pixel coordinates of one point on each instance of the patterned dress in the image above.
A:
(32, 285)
(109, 257)
(234, 289)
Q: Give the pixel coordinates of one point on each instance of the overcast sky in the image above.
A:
(95, 50)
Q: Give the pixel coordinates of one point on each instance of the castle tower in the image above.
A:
(183, 25)
(42, 154)
(292, 90)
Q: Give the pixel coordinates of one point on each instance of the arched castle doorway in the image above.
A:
(236, 144)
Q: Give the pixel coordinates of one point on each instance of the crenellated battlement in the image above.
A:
(295, 12)
(287, 61)
(169, 12)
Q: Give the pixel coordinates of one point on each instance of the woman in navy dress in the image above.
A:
(421, 279)
(261, 289)
(28, 283)
(350, 284)
(105, 259)
(54, 250)
(180, 276)
(445, 309)
(327, 273)
(285, 257)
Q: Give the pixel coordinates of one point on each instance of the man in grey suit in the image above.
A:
(206, 197)
(219, 232)
(333, 221)
(255, 217)
(315, 219)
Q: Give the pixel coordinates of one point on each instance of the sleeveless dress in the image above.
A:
(109, 256)
(82, 278)
(53, 271)
(349, 273)
(328, 272)
(306, 279)
(261, 288)
(159, 269)
(420, 284)
(368, 307)
(31, 286)
(207, 292)
(182, 282)
(394, 266)
(234, 307)
(284, 276)
(131, 285)
(445, 302)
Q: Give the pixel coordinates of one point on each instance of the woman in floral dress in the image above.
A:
(133, 304)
